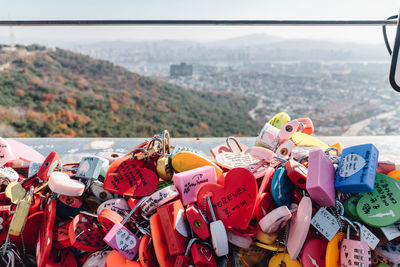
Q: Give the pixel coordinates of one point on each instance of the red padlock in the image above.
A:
(297, 173)
(4, 217)
(61, 258)
(173, 221)
(61, 238)
(197, 221)
(85, 234)
(48, 166)
(202, 256)
(107, 218)
(160, 244)
(307, 126)
(45, 240)
(147, 255)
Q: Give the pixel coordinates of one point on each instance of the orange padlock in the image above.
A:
(160, 244)
(115, 259)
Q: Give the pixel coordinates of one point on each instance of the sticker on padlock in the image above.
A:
(280, 119)
(287, 131)
(159, 198)
(127, 177)
(49, 164)
(6, 153)
(197, 221)
(313, 253)
(299, 226)
(353, 252)
(275, 220)
(281, 187)
(268, 137)
(115, 258)
(85, 234)
(60, 236)
(186, 160)
(283, 259)
(321, 179)
(174, 224)
(118, 205)
(62, 183)
(45, 240)
(234, 202)
(160, 244)
(381, 207)
(357, 169)
(189, 182)
(218, 234)
(123, 240)
(97, 259)
(90, 167)
(239, 241)
(297, 173)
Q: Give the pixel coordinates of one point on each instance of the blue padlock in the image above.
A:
(281, 188)
(357, 169)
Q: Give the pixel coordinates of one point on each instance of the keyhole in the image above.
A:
(103, 195)
(288, 128)
(69, 201)
(284, 151)
(114, 155)
(197, 223)
(282, 264)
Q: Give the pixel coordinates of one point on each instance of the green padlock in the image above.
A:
(381, 207)
(350, 207)
(279, 120)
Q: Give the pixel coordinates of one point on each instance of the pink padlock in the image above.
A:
(123, 240)
(320, 182)
(288, 130)
(262, 153)
(189, 182)
(275, 220)
(268, 136)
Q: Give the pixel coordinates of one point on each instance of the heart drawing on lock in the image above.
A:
(127, 177)
(234, 201)
(125, 241)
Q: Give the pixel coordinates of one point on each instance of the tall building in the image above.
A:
(182, 69)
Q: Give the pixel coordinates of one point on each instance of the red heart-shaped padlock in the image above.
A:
(61, 238)
(85, 235)
(233, 202)
(127, 177)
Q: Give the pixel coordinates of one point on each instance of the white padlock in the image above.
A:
(239, 241)
(219, 237)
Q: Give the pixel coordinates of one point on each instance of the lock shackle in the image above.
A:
(236, 142)
(189, 245)
(133, 210)
(153, 141)
(211, 209)
(11, 258)
(302, 126)
(351, 224)
(339, 206)
(62, 168)
(165, 142)
(141, 149)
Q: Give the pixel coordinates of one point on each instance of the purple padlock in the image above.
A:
(320, 182)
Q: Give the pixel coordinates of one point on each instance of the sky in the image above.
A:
(190, 9)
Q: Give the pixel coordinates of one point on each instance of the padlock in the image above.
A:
(107, 218)
(283, 259)
(164, 165)
(299, 226)
(313, 253)
(357, 169)
(239, 241)
(228, 148)
(321, 179)
(90, 167)
(62, 183)
(268, 137)
(189, 182)
(262, 153)
(388, 253)
(29, 235)
(353, 252)
(275, 220)
(4, 217)
(285, 149)
(123, 240)
(185, 260)
(287, 131)
(118, 205)
(174, 224)
(60, 236)
(127, 176)
(110, 156)
(115, 258)
(97, 259)
(281, 187)
(306, 125)
(45, 239)
(147, 255)
(9, 175)
(159, 243)
(280, 119)
(159, 198)
(21, 214)
(297, 173)
(264, 238)
(6, 153)
(186, 160)
(98, 191)
(197, 222)
(15, 192)
(85, 234)
(218, 234)
(265, 203)
(332, 255)
(202, 256)
(49, 165)
(350, 207)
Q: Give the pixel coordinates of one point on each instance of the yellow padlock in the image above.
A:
(272, 247)
(21, 214)
(279, 120)
(278, 259)
(302, 139)
(15, 192)
(332, 257)
(265, 238)
(186, 160)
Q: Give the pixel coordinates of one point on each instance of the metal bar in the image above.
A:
(197, 22)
